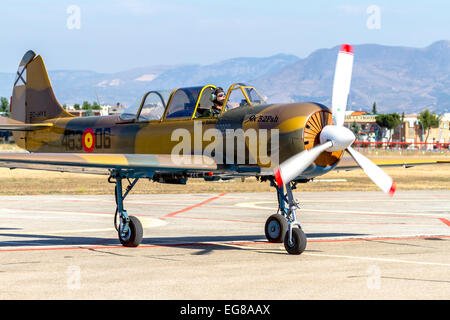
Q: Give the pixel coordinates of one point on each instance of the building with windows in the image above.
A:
(410, 130)
(104, 110)
(368, 128)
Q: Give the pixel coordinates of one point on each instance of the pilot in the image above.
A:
(218, 98)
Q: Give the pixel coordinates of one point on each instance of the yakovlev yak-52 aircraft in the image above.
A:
(281, 143)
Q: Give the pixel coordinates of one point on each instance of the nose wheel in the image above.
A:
(283, 226)
(297, 242)
(275, 228)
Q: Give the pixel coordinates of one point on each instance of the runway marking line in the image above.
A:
(199, 244)
(221, 220)
(308, 222)
(445, 221)
(172, 214)
(409, 215)
(378, 259)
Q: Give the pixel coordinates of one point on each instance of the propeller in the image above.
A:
(341, 83)
(378, 176)
(335, 137)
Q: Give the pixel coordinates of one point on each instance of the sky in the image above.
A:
(117, 35)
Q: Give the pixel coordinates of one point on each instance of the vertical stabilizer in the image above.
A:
(33, 99)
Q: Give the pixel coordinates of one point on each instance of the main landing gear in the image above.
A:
(283, 226)
(129, 228)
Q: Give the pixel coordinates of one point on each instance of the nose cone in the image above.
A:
(340, 136)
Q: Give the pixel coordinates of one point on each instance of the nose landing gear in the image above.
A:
(283, 226)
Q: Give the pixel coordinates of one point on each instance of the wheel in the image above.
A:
(134, 235)
(275, 228)
(298, 244)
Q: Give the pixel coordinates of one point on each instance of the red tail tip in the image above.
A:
(392, 190)
(278, 179)
(347, 48)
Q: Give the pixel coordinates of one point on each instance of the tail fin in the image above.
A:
(33, 99)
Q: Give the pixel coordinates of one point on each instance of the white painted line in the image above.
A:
(37, 211)
(329, 180)
(378, 259)
(257, 205)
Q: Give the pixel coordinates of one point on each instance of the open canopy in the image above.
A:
(188, 103)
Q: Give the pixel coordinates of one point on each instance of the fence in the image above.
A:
(402, 146)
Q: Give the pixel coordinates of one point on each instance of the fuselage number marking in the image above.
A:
(87, 140)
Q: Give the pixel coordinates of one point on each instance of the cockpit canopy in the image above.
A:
(240, 94)
(188, 103)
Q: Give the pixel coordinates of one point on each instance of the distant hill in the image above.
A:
(397, 78)
(127, 86)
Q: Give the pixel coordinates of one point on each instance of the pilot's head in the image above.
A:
(219, 97)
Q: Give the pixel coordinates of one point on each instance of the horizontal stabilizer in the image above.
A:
(14, 125)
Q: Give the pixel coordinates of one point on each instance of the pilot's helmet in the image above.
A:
(214, 95)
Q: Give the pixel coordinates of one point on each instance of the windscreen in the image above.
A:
(131, 111)
(182, 104)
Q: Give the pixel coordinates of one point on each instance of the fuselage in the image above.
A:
(270, 133)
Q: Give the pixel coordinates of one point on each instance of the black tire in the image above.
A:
(275, 228)
(135, 238)
(298, 244)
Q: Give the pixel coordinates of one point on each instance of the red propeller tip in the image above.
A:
(347, 48)
(393, 188)
(278, 179)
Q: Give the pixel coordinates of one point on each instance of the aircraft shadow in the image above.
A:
(207, 244)
(214, 243)
(26, 240)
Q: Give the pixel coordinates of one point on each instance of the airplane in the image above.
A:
(284, 144)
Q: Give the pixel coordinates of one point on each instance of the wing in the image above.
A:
(347, 162)
(142, 164)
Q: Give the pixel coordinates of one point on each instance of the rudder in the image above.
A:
(33, 99)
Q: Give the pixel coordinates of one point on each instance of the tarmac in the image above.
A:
(361, 245)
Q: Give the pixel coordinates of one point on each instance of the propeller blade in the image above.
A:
(341, 84)
(378, 176)
(295, 165)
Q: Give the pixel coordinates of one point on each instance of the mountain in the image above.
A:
(126, 87)
(399, 79)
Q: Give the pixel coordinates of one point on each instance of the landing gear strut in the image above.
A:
(283, 226)
(129, 228)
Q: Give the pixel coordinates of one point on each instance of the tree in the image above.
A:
(76, 106)
(86, 106)
(374, 108)
(428, 120)
(95, 106)
(4, 106)
(389, 121)
(355, 128)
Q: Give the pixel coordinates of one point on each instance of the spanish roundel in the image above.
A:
(88, 140)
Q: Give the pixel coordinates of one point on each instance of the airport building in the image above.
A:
(410, 130)
(105, 110)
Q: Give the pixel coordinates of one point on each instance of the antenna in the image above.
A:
(95, 91)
